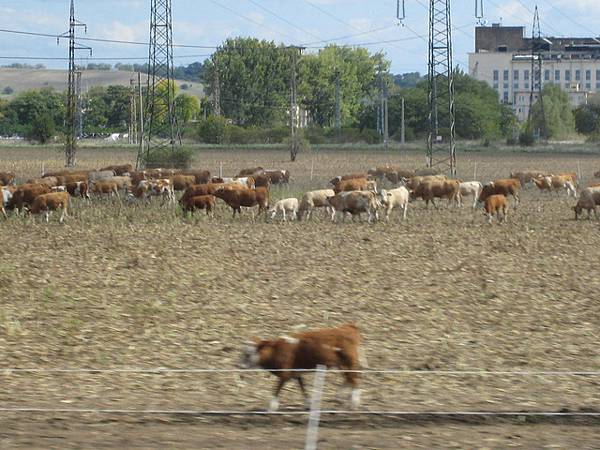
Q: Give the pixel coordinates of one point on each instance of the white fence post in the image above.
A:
(312, 170)
(312, 433)
(221, 169)
(475, 172)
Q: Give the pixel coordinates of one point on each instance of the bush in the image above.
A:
(8, 90)
(301, 146)
(42, 128)
(526, 138)
(315, 135)
(213, 130)
(179, 158)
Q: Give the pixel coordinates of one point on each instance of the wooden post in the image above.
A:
(312, 433)
(475, 172)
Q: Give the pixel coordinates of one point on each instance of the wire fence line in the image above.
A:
(164, 370)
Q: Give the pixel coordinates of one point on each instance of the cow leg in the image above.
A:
(303, 389)
(62, 216)
(283, 213)
(274, 405)
(47, 216)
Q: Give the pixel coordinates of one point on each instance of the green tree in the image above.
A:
(213, 130)
(42, 128)
(32, 104)
(560, 121)
(187, 108)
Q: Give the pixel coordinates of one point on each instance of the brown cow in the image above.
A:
(7, 178)
(201, 176)
(556, 183)
(527, 176)
(432, 189)
(25, 194)
(106, 187)
(182, 182)
(206, 202)
(355, 203)
(496, 204)
(251, 172)
(357, 184)
(333, 348)
(588, 200)
(78, 189)
(248, 198)
(278, 176)
(351, 176)
(262, 181)
(48, 181)
(396, 175)
(46, 203)
(119, 170)
(505, 187)
(413, 182)
(74, 178)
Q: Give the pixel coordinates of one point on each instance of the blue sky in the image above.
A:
(209, 22)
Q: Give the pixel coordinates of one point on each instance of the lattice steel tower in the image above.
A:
(537, 46)
(161, 131)
(73, 103)
(441, 145)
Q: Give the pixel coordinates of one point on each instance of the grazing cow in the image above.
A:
(496, 204)
(251, 172)
(262, 181)
(555, 183)
(355, 203)
(469, 188)
(46, 203)
(25, 194)
(106, 187)
(201, 176)
(505, 187)
(570, 176)
(352, 176)
(378, 172)
(278, 176)
(588, 200)
(96, 175)
(288, 205)
(413, 182)
(207, 202)
(394, 198)
(432, 189)
(119, 170)
(78, 189)
(122, 182)
(6, 196)
(73, 179)
(315, 199)
(7, 178)
(396, 175)
(182, 182)
(527, 176)
(48, 181)
(357, 184)
(163, 187)
(334, 348)
(248, 198)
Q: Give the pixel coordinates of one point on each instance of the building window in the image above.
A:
(546, 75)
(495, 75)
(526, 85)
(578, 75)
(557, 75)
(588, 75)
(567, 75)
(505, 86)
(526, 74)
(515, 75)
(597, 84)
(588, 86)
(505, 74)
(505, 96)
(516, 85)
(597, 75)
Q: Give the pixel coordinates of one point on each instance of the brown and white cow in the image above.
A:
(432, 189)
(337, 348)
(25, 194)
(278, 176)
(350, 176)
(248, 198)
(251, 172)
(78, 189)
(356, 184)
(527, 176)
(556, 183)
(496, 204)
(46, 203)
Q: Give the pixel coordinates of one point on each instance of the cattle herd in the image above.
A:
(351, 194)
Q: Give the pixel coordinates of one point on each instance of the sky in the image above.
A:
(311, 23)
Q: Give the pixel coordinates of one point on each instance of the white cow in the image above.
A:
(6, 196)
(315, 199)
(394, 198)
(467, 188)
(243, 181)
(287, 205)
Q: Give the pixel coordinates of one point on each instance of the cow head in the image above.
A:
(335, 180)
(254, 352)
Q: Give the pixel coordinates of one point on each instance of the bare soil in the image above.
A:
(139, 286)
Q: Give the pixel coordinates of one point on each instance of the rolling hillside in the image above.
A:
(25, 79)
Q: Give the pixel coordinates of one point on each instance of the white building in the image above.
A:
(502, 58)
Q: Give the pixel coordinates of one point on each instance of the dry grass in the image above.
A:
(145, 287)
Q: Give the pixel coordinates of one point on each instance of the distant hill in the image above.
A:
(20, 80)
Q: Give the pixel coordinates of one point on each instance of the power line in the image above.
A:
(283, 19)
(593, 33)
(94, 58)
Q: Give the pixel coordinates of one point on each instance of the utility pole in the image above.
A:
(536, 77)
(141, 123)
(79, 96)
(295, 145)
(216, 88)
(161, 130)
(72, 99)
(441, 144)
(386, 134)
(133, 124)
